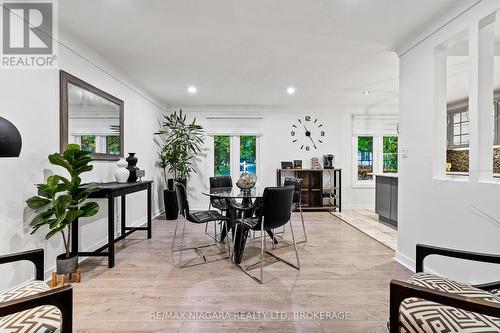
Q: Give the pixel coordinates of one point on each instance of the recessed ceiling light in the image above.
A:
(192, 89)
(290, 90)
(367, 92)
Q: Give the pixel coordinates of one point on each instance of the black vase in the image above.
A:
(171, 205)
(132, 167)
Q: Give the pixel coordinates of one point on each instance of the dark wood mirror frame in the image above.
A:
(66, 78)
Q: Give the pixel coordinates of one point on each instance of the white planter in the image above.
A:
(121, 172)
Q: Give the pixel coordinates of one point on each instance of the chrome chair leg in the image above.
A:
(295, 245)
(262, 244)
(196, 249)
(206, 225)
(303, 226)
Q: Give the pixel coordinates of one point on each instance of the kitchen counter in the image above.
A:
(386, 198)
(391, 175)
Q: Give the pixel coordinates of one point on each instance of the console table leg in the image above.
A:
(123, 218)
(149, 211)
(111, 232)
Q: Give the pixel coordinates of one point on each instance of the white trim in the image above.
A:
(233, 133)
(234, 116)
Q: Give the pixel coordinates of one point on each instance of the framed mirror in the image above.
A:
(91, 118)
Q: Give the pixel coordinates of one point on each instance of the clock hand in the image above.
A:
(314, 145)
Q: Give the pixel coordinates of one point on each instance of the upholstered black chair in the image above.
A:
(274, 212)
(220, 204)
(200, 217)
(297, 200)
(219, 182)
(431, 303)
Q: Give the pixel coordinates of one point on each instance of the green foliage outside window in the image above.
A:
(88, 143)
(222, 155)
(365, 157)
(113, 145)
(390, 154)
(248, 154)
(247, 148)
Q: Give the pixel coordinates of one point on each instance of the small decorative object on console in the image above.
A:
(246, 181)
(328, 161)
(132, 167)
(286, 165)
(297, 164)
(121, 171)
(140, 174)
(315, 163)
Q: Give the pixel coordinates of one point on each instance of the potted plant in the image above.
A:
(60, 202)
(179, 141)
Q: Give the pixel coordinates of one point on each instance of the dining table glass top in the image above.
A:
(234, 192)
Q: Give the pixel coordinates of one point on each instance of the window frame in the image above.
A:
(234, 153)
(450, 128)
(378, 159)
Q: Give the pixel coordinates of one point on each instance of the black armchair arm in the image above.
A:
(425, 250)
(400, 290)
(35, 256)
(62, 298)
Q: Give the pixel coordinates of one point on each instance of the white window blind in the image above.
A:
(375, 124)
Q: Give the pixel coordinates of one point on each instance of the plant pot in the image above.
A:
(170, 184)
(182, 181)
(66, 265)
(171, 205)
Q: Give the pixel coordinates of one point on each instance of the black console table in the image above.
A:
(111, 191)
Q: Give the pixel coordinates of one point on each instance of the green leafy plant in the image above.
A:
(60, 202)
(179, 141)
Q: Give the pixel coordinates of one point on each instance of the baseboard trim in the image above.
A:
(404, 261)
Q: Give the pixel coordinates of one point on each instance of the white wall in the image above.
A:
(30, 100)
(276, 146)
(433, 209)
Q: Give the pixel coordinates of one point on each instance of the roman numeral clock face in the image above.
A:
(308, 133)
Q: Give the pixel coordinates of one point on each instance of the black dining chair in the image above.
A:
(297, 200)
(274, 212)
(220, 204)
(198, 217)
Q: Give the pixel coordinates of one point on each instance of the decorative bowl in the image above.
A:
(246, 181)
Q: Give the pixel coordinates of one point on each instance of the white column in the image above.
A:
(485, 88)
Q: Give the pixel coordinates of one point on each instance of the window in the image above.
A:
(390, 154)
(373, 154)
(113, 145)
(222, 155)
(88, 143)
(365, 157)
(234, 155)
(248, 154)
(458, 128)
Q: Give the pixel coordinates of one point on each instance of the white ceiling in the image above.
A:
(246, 53)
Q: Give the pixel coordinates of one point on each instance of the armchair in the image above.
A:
(33, 304)
(429, 303)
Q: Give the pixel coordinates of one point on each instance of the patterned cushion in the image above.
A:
(418, 315)
(43, 319)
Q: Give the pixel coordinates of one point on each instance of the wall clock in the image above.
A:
(308, 133)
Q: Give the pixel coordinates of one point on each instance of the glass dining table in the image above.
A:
(236, 209)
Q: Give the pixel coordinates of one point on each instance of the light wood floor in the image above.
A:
(343, 270)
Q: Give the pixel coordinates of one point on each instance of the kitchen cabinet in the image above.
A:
(386, 198)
